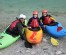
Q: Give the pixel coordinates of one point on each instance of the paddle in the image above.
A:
(20, 21)
(54, 41)
(17, 18)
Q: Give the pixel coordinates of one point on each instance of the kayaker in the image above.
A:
(16, 26)
(33, 22)
(46, 19)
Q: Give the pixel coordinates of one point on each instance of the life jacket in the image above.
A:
(13, 24)
(34, 23)
(47, 20)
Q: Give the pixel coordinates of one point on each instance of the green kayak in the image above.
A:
(6, 39)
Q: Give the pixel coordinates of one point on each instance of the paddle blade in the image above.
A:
(59, 28)
(54, 41)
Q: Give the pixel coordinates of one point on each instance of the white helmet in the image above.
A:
(22, 16)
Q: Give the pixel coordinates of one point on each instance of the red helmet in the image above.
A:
(35, 12)
(44, 11)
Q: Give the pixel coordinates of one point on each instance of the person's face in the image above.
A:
(44, 14)
(22, 19)
(35, 15)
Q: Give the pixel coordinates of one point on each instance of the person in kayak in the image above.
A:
(34, 22)
(46, 19)
(16, 26)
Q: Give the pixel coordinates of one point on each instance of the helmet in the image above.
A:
(22, 16)
(43, 11)
(35, 12)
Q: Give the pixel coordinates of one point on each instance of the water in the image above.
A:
(27, 6)
(9, 9)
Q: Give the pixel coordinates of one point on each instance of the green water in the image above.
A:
(12, 8)
(26, 6)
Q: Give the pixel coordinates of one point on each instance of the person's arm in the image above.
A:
(41, 19)
(53, 19)
(19, 26)
(24, 25)
(40, 23)
(30, 20)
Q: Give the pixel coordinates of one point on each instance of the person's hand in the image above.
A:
(28, 27)
(44, 26)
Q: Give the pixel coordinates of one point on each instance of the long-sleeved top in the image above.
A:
(30, 20)
(42, 18)
(17, 30)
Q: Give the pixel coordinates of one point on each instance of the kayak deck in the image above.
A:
(7, 40)
(52, 30)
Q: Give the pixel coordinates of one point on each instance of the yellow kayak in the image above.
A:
(34, 36)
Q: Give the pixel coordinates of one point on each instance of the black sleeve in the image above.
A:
(30, 20)
(19, 26)
(50, 16)
(40, 23)
(40, 18)
(23, 25)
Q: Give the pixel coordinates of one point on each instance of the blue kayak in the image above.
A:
(52, 30)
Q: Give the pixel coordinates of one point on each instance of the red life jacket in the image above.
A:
(47, 20)
(13, 24)
(34, 23)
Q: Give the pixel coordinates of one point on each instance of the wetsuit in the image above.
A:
(17, 30)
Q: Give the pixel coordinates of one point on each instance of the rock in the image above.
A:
(44, 40)
(17, 51)
(33, 52)
(20, 51)
(27, 51)
(0, 53)
(46, 54)
(58, 52)
(45, 49)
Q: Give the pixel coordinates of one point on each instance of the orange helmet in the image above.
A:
(43, 11)
(35, 12)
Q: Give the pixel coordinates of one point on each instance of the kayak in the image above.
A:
(34, 36)
(7, 40)
(57, 31)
